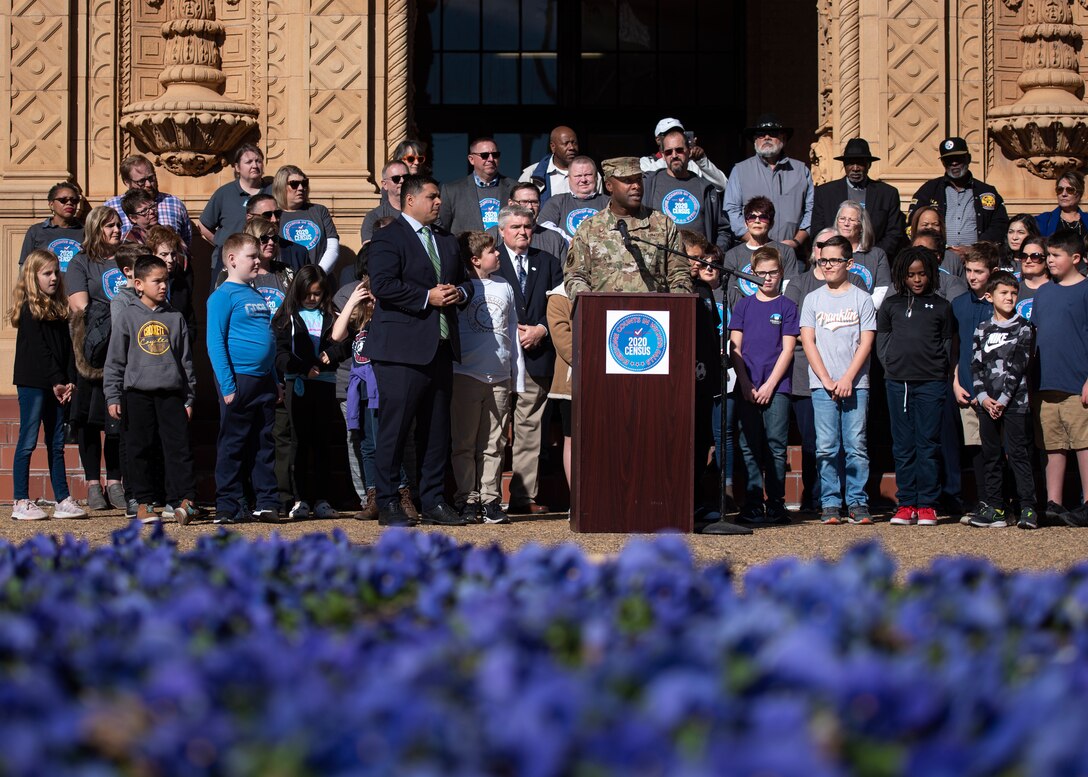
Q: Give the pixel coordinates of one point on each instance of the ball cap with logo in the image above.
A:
(953, 147)
(665, 125)
(621, 167)
(857, 150)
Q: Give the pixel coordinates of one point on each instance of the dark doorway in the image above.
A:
(611, 69)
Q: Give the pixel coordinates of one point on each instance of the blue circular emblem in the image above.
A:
(747, 288)
(273, 297)
(863, 272)
(64, 248)
(489, 211)
(113, 280)
(302, 231)
(681, 206)
(1024, 306)
(576, 217)
(637, 342)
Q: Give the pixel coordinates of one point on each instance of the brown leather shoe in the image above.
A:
(370, 512)
(527, 508)
(407, 505)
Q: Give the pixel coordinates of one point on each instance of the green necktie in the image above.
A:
(443, 327)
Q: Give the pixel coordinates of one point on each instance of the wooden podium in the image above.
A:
(633, 393)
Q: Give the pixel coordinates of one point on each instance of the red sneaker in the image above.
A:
(905, 516)
(927, 516)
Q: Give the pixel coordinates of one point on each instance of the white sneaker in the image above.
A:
(323, 510)
(300, 512)
(25, 510)
(69, 508)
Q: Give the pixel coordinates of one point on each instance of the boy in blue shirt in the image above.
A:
(1060, 316)
(242, 352)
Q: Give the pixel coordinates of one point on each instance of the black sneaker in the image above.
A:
(470, 512)
(859, 514)
(778, 515)
(225, 519)
(752, 513)
(132, 508)
(990, 518)
(1055, 512)
(493, 513)
(1028, 519)
(266, 515)
(1077, 517)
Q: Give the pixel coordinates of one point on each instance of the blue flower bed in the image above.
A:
(419, 656)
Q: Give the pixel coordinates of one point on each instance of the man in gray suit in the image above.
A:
(473, 203)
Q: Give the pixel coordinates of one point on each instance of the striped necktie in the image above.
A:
(520, 267)
(443, 326)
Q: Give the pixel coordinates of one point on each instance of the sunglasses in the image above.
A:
(673, 151)
(1067, 190)
(266, 239)
(269, 214)
(757, 217)
(1033, 257)
(488, 154)
(67, 200)
(142, 181)
(298, 184)
(410, 159)
(396, 178)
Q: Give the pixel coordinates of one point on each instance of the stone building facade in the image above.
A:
(325, 84)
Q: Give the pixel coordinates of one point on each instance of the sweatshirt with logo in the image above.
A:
(914, 337)
(999, 363)
(149, 351)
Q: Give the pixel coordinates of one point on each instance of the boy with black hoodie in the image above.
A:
(149, 385)
(914, 330)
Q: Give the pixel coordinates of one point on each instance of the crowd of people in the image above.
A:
(453, 332)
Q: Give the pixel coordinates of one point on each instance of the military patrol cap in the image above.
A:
(953, 147)
(621, 167)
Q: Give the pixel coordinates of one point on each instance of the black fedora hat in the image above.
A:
(766, 123)
(857, 148)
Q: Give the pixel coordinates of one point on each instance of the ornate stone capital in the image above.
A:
(191, 125)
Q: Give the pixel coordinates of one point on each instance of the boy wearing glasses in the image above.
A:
(838, 328)
(763, 332)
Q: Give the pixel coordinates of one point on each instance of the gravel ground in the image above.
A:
(1050, 547)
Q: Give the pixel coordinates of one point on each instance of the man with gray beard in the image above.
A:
(784, 181)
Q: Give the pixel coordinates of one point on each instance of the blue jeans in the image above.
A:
(841, 423)
(763, 433)
(915, 410)
(723, 434)
(38, 407)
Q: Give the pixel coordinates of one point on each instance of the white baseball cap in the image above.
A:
(665, 125)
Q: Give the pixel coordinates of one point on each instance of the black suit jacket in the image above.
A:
(405, 328)
(460, 211)
(544, 274)
(881, 203)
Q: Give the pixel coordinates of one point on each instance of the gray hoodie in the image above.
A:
(149, 350)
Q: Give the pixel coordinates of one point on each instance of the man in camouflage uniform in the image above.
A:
(598, 260)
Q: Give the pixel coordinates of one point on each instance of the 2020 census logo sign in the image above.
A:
(638, 342)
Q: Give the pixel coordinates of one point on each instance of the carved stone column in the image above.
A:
(1046, 130)
(191, 124)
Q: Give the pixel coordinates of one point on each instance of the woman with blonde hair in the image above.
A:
(306, 223)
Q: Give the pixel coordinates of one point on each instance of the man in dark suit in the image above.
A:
(418, 279)
(531, 273)
(880, 200)
(473, 203)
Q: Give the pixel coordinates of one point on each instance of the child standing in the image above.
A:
(1060, 316)
(45, 375)
(838, 327)
(489, 369)
(1001, 354)
(763, 331)
(242, 353)
(307, 358)
(150, 386)
(914, 329)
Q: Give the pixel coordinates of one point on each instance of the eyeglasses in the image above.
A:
(769, 274)
(298, 184)
(1067, 190)
(1033, 257)
(527, 203)
(67, 200)
(410, 159)
(269, 214)
(395, 179)
(757, 217)
(829, 261)
(141, 181)
(485, 155)
(845, 220)
(145, 212)
(266, 239)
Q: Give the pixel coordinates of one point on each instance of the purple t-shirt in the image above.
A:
(764, 324)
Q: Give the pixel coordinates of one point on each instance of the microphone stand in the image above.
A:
(721, 526)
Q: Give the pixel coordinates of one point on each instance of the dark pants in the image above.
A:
(313, 423)
(421, 392)
(285, 455)
(38, 407)
(915, 410)
(245, 445)
(1008, 437)
(142, 414)
(810, 476)
(91, 449)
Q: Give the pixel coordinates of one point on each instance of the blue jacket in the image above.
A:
(970, 311)
(1049, 222)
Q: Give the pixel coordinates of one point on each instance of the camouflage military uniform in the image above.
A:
(597, 260)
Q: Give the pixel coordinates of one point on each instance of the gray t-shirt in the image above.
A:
(310, 228)
(568, 212)
(797, 290)
(838, 319)
(101, 280)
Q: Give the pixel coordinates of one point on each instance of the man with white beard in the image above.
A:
(784, 181)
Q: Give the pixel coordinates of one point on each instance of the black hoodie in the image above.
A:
(914, 337)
